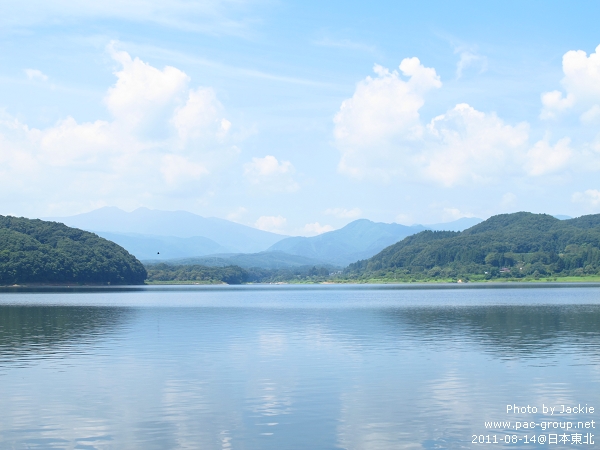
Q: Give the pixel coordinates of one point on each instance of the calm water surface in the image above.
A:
(280, 367)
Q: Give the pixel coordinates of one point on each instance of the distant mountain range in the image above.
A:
(177, 236)
(161, 248)
(360, 239)
(142, 226)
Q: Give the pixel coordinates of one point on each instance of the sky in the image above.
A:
(299, 117)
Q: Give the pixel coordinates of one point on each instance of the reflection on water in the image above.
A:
(27, 331)
(507, 331)
(288, 369)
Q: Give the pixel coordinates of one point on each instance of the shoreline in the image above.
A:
(436, 284)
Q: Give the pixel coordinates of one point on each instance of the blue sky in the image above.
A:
(298, 117)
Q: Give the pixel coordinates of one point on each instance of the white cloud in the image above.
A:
(380, 134)
(34, 74)
(466, 145)
(267, 166)
(590, 197)
(450, 214)
(554, 103)
(381, 137)
(461, 146)
(271, 174)
(274, 224)
(200, 117)
(313, 229)
(581, 84)
(143, 95)
(343, 213)
(125, 157)
(592, 115)
(543, 158)
(383, 110)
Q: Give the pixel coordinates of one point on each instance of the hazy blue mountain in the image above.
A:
(182, 224)
(358, 240)
(456, 225)
(160, 248)
(263, 260)
(561, 217)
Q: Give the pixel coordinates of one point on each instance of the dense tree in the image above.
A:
(234, 274)
(508, 245)
(196, 273)
(37, 251)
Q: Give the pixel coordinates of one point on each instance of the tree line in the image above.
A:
(163, 272)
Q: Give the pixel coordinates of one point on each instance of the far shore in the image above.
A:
(588, 279)
(375, 281)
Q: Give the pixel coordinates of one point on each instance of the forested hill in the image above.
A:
(515, 245)
(37, 251)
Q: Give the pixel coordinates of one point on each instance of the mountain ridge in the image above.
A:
(232, 236)
(163, 248)
(360, 239)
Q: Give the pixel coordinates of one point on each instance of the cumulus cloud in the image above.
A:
(381, 137)
(590, 198)
(162, 135)
(383, 110)
(271, 174)
(313, 229)
(581, 84)
(200, 117)
(274, 224)
(465, 145)
(343, 213)
(34, 74)
(144, 95)
(544, 158)
(554, 103)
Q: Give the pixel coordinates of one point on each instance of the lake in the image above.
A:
(300, 367)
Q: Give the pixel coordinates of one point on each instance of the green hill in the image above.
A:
(37, 251)
(518, 245)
